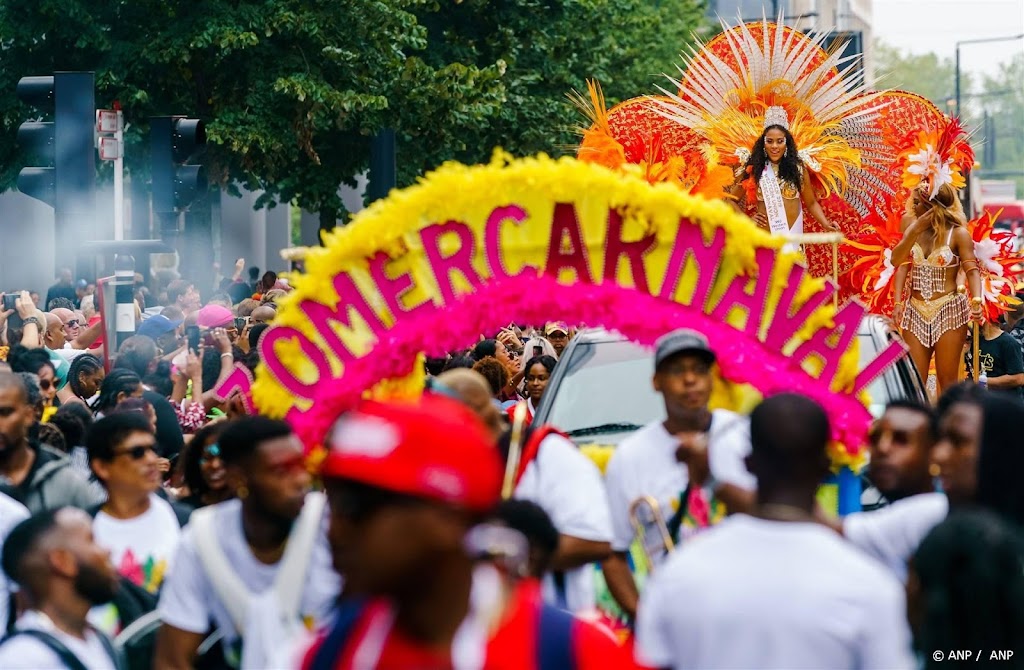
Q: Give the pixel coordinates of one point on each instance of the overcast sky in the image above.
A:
(935, 26)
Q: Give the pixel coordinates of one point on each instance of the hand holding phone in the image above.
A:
(10, 301)
(193, 335)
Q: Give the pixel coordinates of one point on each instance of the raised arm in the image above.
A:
(912, 228)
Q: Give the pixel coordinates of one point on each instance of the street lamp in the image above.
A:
(956, 74)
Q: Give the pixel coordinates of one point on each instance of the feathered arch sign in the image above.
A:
(468, 249)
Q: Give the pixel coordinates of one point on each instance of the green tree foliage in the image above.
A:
(1000, 97)
(293, 90)
(925, 74)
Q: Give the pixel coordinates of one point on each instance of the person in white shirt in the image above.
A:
(55, 560)
(12, 513)
(566, 485)
(229, 564)
(138, 527)
(691, 463)
(775, 589)
(976, 459)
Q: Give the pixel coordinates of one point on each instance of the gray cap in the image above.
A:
(679, 341)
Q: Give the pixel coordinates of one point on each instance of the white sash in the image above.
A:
(775, 208)
(774, 205)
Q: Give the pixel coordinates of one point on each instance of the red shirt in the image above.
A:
(512, 647)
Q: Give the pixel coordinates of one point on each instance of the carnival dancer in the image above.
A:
(690, 465)
(793, 119)
(781, 182)
(936, 248)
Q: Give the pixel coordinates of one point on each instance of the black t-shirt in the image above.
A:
(168, 430)
(1000, 356)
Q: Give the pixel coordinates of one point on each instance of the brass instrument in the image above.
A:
(653, 512)
(515, 450)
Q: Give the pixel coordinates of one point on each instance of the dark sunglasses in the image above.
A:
(209, 453)
(137, 453)
(73, 323)
(45, 384)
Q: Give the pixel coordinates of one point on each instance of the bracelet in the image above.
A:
(976, 301)
(227, 355)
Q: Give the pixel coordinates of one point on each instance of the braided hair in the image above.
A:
(82, 364)
(120, 380)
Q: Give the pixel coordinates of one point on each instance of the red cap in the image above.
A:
(433, 448)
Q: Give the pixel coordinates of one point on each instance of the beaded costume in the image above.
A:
(932, 315)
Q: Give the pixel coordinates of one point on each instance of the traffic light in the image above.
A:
(174, 140)
(65, 175)
(66, 144)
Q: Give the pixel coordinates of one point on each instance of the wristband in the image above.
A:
(227, 355)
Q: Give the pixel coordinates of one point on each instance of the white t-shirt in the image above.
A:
(892, 534)
(142, 549)
(189, 601)
(645, 464)
(12, 513)
(25, 653)
(751, 593)
(567, 485)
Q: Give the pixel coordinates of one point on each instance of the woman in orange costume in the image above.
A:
(935, 248)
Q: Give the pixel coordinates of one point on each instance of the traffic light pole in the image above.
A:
(74, 211)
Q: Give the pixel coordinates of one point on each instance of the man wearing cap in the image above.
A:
(557, 334)
(692, 463)
(405, 484)
(165, 332)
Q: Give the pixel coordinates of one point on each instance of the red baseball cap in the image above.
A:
(433, 447)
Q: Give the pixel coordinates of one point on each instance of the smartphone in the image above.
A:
(192, 333)
(10, 301)
(538, 350)
(240, 322)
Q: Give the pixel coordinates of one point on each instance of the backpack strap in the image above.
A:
(554, 639)
(67, 657)
(531, 449)
(291, 574)
(225, 580)
(346, 615)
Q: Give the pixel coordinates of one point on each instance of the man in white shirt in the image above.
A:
(138, 527)
(776, 589)
(565, 484)
(691, 464)
(63, 572)
(230, 557)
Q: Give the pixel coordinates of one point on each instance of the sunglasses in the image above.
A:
(45, 384)
(137, 453)
(211, 452)
(73, 323)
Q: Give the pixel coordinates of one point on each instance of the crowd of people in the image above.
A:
(137, 505)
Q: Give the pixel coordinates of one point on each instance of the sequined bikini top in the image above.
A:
(789, 190)
(942, 257)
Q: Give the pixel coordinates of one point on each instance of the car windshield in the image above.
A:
(878, 392)
(606, 384)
